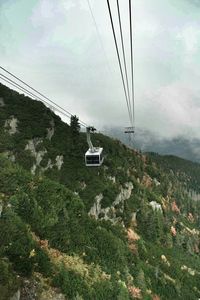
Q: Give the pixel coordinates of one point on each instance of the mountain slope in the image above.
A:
(127, 230)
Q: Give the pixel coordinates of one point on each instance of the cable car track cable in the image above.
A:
(83, 123)
(119, 60)
(22, 89)
(16, 85)
(132, 73)
(124, 57)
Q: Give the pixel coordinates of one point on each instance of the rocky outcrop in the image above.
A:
(51, 130)
(10, 155)
(96, 208)
(191, 271)
(165, 260)
(112, 178)
(2, 104)
(59, 161)
(83, 185)
(109, 213)
(39, 155)
(51, 294)
(124, 194)
(32, 144)
(11, 125)
(155, 205)
(156, 182)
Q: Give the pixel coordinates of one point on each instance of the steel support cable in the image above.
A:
(99, 35)
(83, 123)
(119, 61)
(18, 86)
(132, 73)
(13, 83)
(124, 57)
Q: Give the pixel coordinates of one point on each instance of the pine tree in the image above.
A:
(75, 125)
(140, 279)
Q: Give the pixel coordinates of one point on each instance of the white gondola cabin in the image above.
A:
(94, 159)
(94, 156)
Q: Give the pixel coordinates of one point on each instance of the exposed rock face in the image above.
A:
(113, 179)
(31, 146)
(59, 161)
(10, 155)
(38, 155)
(156, 182)
(51, 130)
(192, 272)
(96, 208)
(165, 260)
(51, 294)
(11, 125)
(155, 205)
(134, 219)
(1, 102)
(124, 194)
(109, 213)
(48, 166)
(83, 185)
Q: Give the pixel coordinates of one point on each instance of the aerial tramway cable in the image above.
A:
(81, 122)
(132, 73)
(119, 60)
(124, 58)
(22, 89)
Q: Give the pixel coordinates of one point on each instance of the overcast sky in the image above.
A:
(54, 46)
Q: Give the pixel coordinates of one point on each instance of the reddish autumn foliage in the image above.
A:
(135, 292)
(43, 243)
(175, 207)
(173, 230)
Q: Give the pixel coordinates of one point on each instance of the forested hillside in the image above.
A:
(126, 230)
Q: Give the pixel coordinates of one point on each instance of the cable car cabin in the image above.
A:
(94, 158)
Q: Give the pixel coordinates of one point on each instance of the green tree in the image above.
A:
(140, 279)
(74, 125)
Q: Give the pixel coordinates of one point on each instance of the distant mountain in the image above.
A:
(188, 148)
(129, 229)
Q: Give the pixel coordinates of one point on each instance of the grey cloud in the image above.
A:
(62, 56)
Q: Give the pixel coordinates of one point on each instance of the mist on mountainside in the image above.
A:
(148, 141)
